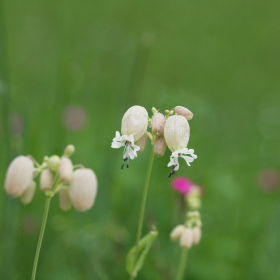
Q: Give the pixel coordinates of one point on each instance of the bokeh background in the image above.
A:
(68, 72)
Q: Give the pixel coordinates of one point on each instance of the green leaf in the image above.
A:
(137, 254)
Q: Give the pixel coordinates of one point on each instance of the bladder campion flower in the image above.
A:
(83, 189)
(19, 176)
(134, 125)
(177, 134)
(65, 169)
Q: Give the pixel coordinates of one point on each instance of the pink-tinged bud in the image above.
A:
(83, 189)
(158, 124)
(177, 232)
(186, 240)
(196, 235)
(176, 132)
(64, 199)
(46, 180)
(135, 122)
(65, 169)
(142, 142)
(28, 194)
(182, 111)
(159, 146)
(19, 176)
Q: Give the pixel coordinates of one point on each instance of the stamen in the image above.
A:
(172, 172)
(126, 154)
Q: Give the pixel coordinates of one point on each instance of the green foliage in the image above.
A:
(220, 59)
(137, 254)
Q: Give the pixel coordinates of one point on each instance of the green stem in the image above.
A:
(182, 264)
(43, 226)
(144, 198)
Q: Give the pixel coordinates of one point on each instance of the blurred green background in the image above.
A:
(68, 72)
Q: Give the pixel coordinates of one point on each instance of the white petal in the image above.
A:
(136, 148)
(188, 159)
(117, 145)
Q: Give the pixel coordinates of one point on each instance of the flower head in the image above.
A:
(177, 134)
(135, 122)
(134, 126)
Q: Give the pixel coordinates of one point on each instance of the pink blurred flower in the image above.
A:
(182, 185)
(74, 118)
(268, 180)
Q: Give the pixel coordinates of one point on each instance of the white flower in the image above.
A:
(130, 149)
(174, 159)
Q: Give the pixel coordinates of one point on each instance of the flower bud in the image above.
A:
(182, 111)
(64, 199)
(176, 132)
(135, 122)
(159, 146)
(53, 162)
(193, 202)
(142, 142)
(69, 150)
(19, 176)
(83, 189)
(186, 240)
(158, 124)
(46, 180)
(177, 232)
(28, 194)
(65, 169)
(154, 110)
(196, 235)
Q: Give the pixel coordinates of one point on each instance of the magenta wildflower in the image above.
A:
(182, 185)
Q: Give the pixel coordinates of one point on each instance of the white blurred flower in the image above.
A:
(19, 176)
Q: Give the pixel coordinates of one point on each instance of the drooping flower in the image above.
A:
(19, 176)
(28, 194)
(177, 232)
(177, 134)
(158, 124)
(65, 169)
(159, 146)
(134, 125)
(83, 189)
(186, 239)
(46, 180)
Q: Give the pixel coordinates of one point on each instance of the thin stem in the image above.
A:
(144, 198)
(43, 226)
(182, 265)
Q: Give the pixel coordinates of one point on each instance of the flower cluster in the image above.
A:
(188, 234)
(170, 130)
(76, 185)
